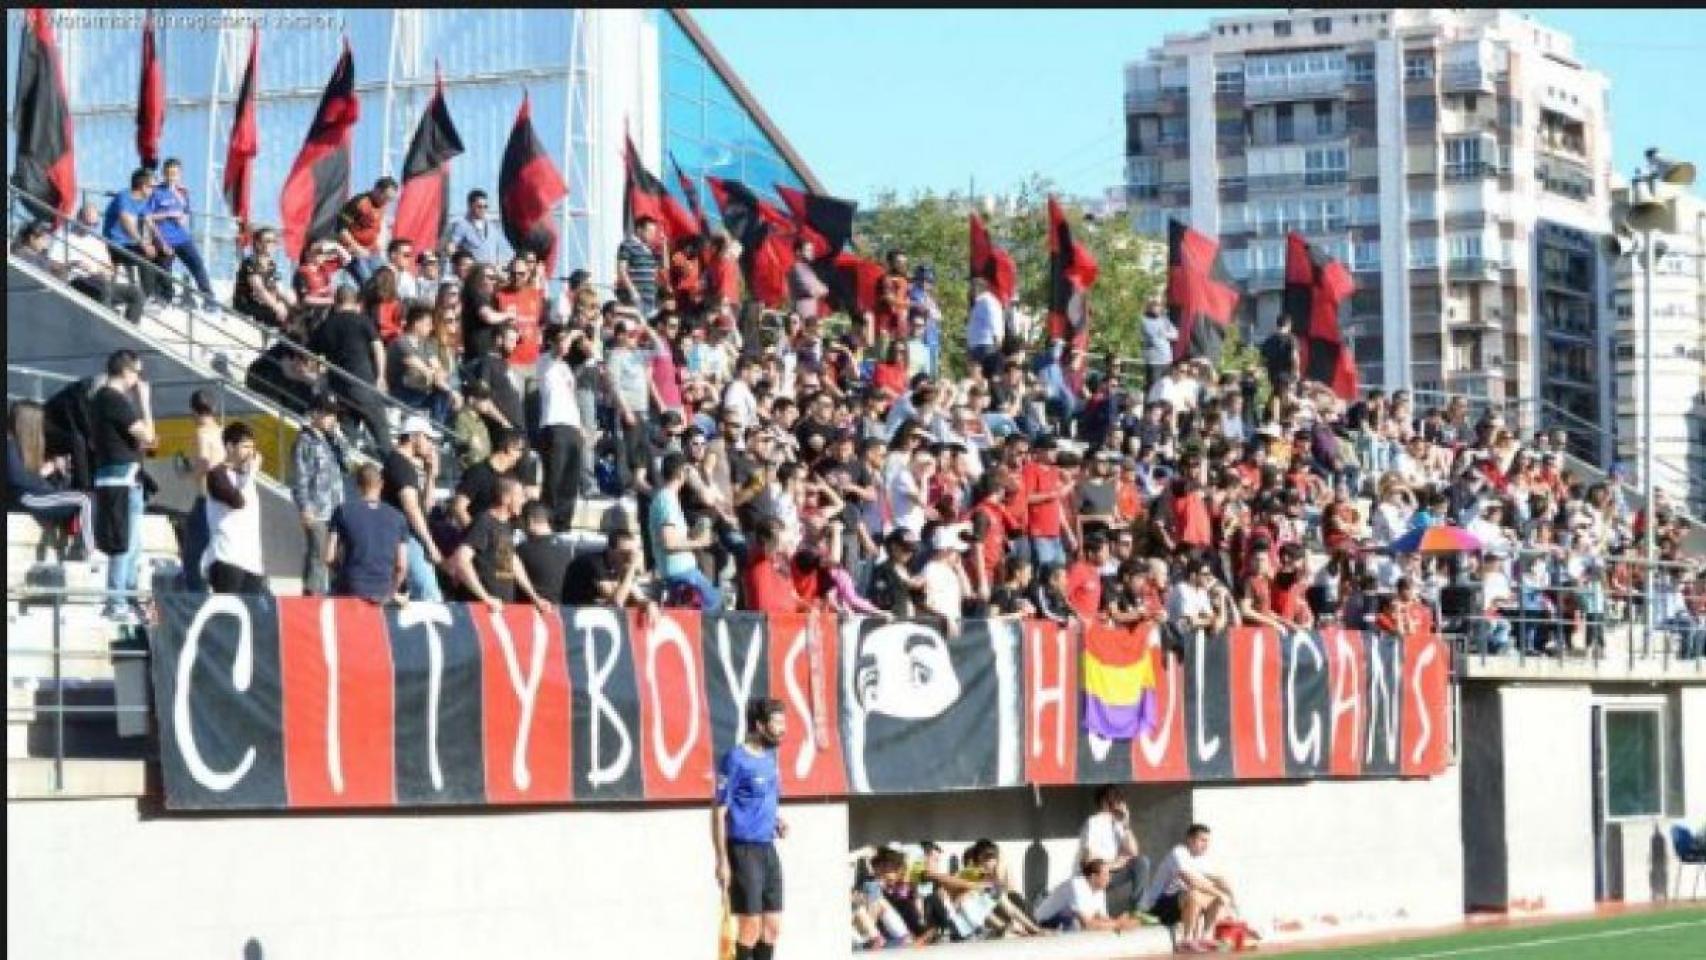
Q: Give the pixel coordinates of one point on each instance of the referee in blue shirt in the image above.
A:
(744, 828)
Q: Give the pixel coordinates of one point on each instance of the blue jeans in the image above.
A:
(1493, 636)
(191, 257)
(710, 598)
(196, 536)
(423, 581)
(1047, 550)
(361, 269)
(122, 569)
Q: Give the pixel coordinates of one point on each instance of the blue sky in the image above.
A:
(930, 99)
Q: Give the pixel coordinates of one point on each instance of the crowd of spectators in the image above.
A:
(780, 460)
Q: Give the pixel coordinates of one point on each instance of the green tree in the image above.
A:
(932, 229)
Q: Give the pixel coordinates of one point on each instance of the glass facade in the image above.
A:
(489, 59)
(705, 126)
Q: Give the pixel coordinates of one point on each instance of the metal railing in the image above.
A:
(134, 650)
(237, 331)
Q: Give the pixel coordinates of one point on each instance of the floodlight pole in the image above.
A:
(1648, 250)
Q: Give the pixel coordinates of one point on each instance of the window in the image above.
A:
(1324, 165)
(1229, 78)
(1282, 28)
(1173, 130)
(1422, 205)
(1463, 247)
(1283, 130)
(1323, 25)
(1633, 754)
(1421, 112)
(1366, 256)
(1464, 157)
(1418, 66)
(1365, 209)
(1323, 118)
(1361, 67)
(1424, 251)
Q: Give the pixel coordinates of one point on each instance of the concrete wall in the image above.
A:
(95, 878)
(1692, 710)
(1548, 797)
(1311, 858)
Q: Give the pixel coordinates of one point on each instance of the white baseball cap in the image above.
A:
(415, 423)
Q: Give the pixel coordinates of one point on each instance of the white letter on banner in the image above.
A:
(1206, 749)
(526, 687)
(1155, 748)
(801, 702)
(1009, 695)
(242, 671)
(1346, 673)
(1044, 697)
(594, 621)
(1428, 655)
(1256, 698)
(430, 616)
(329, 653)
(739, 688)
(1310, 746)
(667, 631)
(1381, 697)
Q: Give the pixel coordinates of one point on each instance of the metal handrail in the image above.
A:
(267, 338)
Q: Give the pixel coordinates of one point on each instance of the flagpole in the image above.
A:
(208, 181)
(390, 94)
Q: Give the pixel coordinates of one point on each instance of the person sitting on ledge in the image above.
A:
(1081, 903)
(1189, 892)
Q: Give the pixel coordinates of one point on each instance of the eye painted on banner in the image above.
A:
(905, 671)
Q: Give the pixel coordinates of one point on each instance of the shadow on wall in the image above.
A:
(252, 950)
(1658, 866)
(1044, 824)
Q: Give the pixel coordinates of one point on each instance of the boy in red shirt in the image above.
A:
(1044, 489)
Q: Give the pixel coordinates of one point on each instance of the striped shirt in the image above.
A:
(642, 264)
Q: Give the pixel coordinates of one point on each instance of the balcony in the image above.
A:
(1470, 170)
(1466, 78)
(1266, 278)
(1303, 86)
(1473, 268)
(1149, 100)
(1294, 181)
(1300, 133)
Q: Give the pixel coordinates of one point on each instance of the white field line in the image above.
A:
(1548, 941)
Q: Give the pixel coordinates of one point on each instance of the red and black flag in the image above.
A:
(646, 196)
(528, 187)
(319, 180)
(1200, 296)
(766, 237)
(690, 190)
(150, 98)
(423, 207)
(43, 166)
(245, 141)
(1317, 289)
(853, 282)
(1071, 271)
(826, 221)
(992, 263)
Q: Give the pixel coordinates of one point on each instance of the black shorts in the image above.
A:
(1166, 909)
(755, 879)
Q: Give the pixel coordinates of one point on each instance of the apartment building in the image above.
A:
(1457, 161)
(1678, 434)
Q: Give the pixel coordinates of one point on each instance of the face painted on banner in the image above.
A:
(904, 671)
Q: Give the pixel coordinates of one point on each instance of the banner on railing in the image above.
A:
(309, 704)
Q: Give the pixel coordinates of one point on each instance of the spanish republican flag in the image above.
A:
(1119, 683)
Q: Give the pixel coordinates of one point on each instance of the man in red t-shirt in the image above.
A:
(1290, 584)
(1084, 578)
(767, 582)
(523, 292)
(993, 521)
(1045, 490)
(360, 222)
